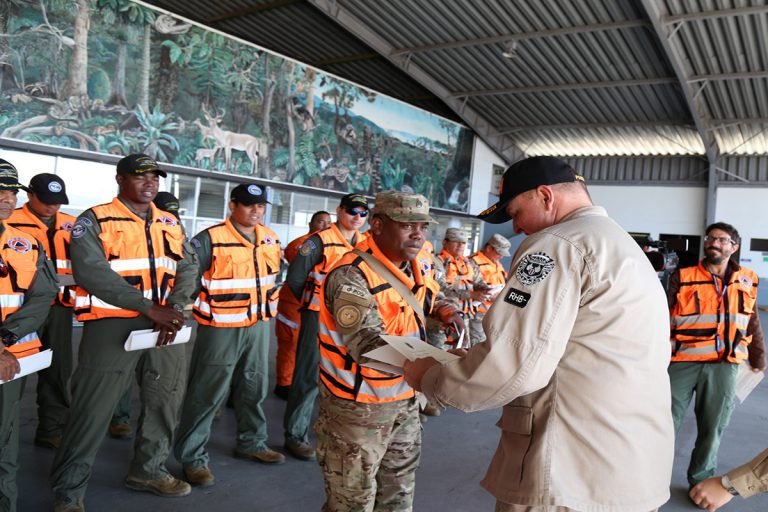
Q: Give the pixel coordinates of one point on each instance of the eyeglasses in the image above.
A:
(719, 239)
(355, 212)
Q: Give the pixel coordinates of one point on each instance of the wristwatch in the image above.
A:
(726, 483)
(7, 337)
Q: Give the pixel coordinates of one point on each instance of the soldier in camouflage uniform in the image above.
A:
(369, 436)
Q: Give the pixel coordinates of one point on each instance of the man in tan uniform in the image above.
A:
(576, 353)
(744, 481)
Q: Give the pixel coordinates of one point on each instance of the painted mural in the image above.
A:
(115, 76)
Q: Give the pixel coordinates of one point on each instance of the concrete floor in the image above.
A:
(457, 449)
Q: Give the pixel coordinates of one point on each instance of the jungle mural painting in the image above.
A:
(115, 76)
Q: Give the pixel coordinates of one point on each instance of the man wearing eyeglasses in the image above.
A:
(715, 327)
(306, 273)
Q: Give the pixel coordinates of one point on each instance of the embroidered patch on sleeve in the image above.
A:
(354, 295)
(534, 268)
(348, 316)
(517, 298)
(307, 247)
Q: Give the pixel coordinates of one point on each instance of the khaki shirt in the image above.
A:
(752, 477)
(576, 353)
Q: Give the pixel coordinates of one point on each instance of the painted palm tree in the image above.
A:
(154, 138)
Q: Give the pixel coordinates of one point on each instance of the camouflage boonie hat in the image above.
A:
(403, 207)
(9, 177)
(456, 235)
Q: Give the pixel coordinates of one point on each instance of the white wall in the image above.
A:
(747, 210)
(483, 161)
(671, 210)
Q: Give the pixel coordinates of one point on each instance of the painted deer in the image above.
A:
(228, 141)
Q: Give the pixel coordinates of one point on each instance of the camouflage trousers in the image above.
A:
(368, 454)
(476, 332)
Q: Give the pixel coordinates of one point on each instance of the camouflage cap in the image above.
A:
(456, 235)
(500, 244)
(403, 207)
(9, 177)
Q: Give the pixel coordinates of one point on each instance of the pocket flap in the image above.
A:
(516, 419)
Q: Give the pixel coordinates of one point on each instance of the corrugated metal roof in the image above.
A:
(588, 77)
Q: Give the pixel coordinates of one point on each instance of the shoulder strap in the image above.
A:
(397, 284)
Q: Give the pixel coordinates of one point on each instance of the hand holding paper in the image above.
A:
(391, 357)
(30, 364)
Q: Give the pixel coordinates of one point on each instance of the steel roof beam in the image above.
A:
(567, 87)
(584, 126)
(729, 76)
(708, 15)
(677, 62)
(521, 36)
(500, 143)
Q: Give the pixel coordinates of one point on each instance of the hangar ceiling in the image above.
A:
(575, 78)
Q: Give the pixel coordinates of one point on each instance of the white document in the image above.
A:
(391, 357)
(147, 338)
(33, 363)
(746, 381)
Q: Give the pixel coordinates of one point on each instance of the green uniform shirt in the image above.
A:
(93, 273)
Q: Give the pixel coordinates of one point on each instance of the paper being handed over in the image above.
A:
(391, 357)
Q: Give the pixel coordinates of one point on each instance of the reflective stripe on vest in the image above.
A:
(238, 289)
(492, 273)
(709, 323)
(144, 253)
(338, 371)
(56, 244)
(20, 259)
(334, 247)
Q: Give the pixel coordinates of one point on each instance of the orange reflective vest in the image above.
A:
(334, 247)
(459, 275)
(238, 289)
(338, 371)
(19, 252)
(143, 252)
(709, 320)
(493, 275)
(55, 242)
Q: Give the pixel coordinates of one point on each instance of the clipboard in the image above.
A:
(147, 338)
(32, 364)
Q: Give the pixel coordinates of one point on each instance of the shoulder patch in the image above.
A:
(534, 268)
(19, 244)
(348, 316)
(353, 294)
(85, 221)
(307, 247)
(67, 226)
(746, 281)
(78, 230)
(269, 240)
(168, 220)
(517, 298)
(195, 243)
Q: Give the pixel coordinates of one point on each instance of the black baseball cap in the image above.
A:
(49, 188)
(249, 194)
(526, 175)
(9, 177)
(168, 202)
(139, 163)
(353, 200)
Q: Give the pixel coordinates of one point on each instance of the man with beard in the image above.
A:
(715, 327)
(134, 271)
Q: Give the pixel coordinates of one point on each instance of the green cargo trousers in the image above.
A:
(10, 400)
(301, 397)
(53, 394)
(714, 385)
(103, 373)
(222, 356)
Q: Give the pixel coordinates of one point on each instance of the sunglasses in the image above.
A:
(354, 211)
